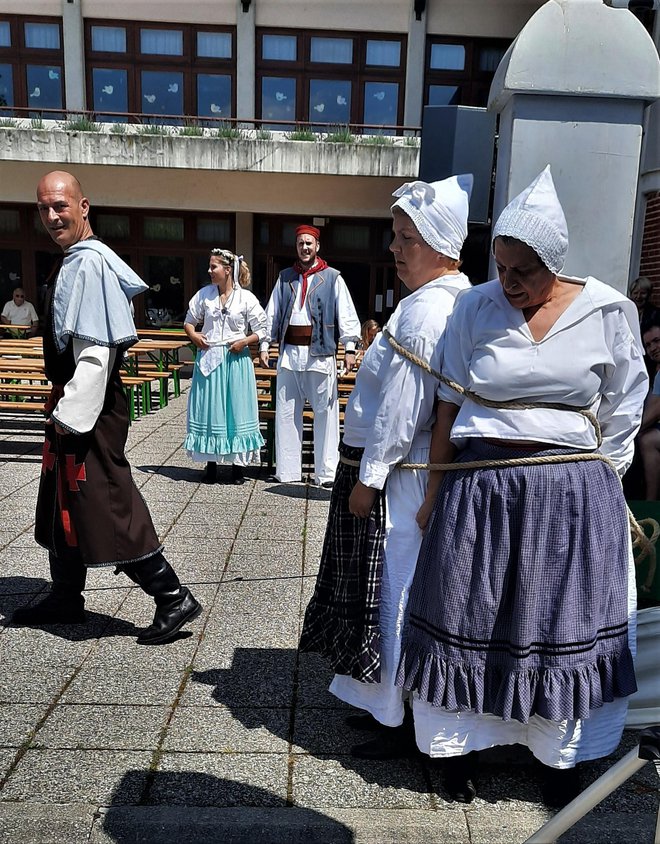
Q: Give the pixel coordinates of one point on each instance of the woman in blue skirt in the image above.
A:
(223, 416)
(520, 625)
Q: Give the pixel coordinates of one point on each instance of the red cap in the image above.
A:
(308, 230)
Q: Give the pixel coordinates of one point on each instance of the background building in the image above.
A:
(189, 125)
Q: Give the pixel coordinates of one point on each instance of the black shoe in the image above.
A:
(363, 721)
(327, 484)
(211, 473)
(53, 609)
(237, 476)
(169, 619)
(392, 743)
(175, 605)
(559, 786)
(460, 777)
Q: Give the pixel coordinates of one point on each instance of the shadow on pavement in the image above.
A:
(262, 679)
(197, 808)
(175, 473)
(17, 592)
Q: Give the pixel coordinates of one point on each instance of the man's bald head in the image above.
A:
(63, 208)
(63, 180)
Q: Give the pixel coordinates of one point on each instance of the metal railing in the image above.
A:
(239, 126)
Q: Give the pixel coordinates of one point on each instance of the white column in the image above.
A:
(245, 60)
(74, 55)
(414, 95)
(571, 92)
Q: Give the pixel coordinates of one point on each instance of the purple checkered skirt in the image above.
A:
(519, 602)
(342, 619)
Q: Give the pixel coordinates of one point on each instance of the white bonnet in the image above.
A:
(439, 211)
(536, 218)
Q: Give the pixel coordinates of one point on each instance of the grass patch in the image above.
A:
(152, 129)
(340, 135)
(118, 129)
(411, 141)
(377, 140)
(263, 135)
(7, 123)
(36, 123)
(301, 135)
(191, 131)
(81, 124)
(229, 131)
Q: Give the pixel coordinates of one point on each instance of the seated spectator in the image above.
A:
(370, 329)
(649, 435)
(19, 312)
(640, 291)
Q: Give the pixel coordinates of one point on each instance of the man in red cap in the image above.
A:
(310, 308)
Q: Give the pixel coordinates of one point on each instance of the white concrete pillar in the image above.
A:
(245, 60)
(74, 55)
(571, 92)
(415, 58)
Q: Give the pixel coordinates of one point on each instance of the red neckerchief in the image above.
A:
(319, 265)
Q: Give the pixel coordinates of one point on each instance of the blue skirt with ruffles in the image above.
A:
(223, 415)
(519, 601)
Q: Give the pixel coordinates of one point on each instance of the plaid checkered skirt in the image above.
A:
(342, 619)
(519, 601)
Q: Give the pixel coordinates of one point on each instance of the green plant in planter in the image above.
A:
(229, 131)
(377, 140)
(302, 134)
(37, 123)
(80, 124)
(340, 135)
(7, 123)
(119, 129)
(152, 129)
(263, 135)
(191, 130)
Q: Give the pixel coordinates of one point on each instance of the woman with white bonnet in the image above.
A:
(371, 542)
(520, 624)
(223, 414)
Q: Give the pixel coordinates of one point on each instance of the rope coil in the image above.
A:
(640, 541)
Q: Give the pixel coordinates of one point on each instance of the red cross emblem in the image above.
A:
(74, 472)
(47, 458)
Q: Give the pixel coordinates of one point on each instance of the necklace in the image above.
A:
(227, 302)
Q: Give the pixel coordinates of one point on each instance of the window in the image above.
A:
(329, 80)
(162, 71)
(214, 45)
(278, 99)
(281, 48)
(42, 36)
(108, 39)
(31, 65)
(459, 72)
(6, 85)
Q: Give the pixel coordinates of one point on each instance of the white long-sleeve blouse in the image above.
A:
(393, 399)
(590, 358)
(223, 325)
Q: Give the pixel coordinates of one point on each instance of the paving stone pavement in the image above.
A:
(227, 734)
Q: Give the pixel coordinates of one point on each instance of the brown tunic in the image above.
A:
(88, 503)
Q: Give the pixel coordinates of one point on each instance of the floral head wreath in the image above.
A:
(229, 257)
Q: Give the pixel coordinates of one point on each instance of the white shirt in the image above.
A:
(590, 358)
(80, 407)
(298, 358)
(244, 315)
(393, 399)
(24, 314)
